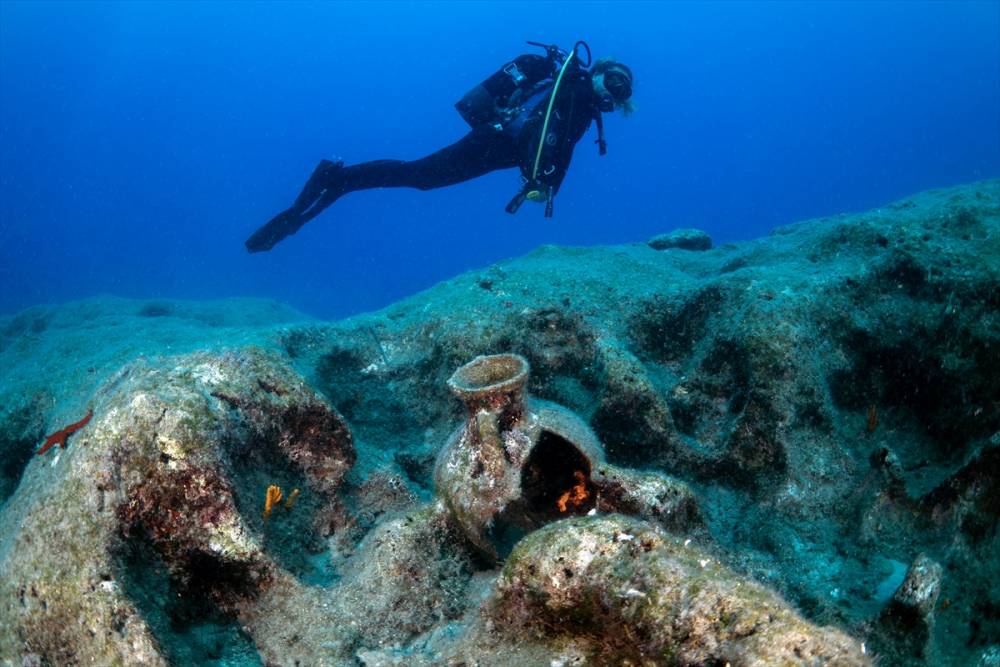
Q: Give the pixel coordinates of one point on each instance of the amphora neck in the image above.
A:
(494, 383)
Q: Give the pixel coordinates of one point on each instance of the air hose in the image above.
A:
(535, 195)
(552, 100)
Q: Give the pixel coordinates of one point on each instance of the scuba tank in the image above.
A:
(490, 101)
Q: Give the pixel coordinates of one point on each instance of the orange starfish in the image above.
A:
(59, 437)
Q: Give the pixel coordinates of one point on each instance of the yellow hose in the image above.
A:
(548, 114)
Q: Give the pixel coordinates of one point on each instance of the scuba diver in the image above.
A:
(529, 114)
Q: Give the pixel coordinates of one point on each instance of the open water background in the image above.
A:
(141, 142)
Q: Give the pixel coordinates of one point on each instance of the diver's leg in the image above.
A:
(320, 179)
(291, 220)
(481, 151)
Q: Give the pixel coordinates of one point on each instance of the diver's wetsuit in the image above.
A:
(479, 152)
(484, 149)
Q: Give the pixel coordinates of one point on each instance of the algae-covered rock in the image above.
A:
(409, 574)
(156, 473)
(614, 590)
(920, 589)
(685, 239)
(649, 495)
(903, 631)
(636, 595)
(814, 410)
(828, 392)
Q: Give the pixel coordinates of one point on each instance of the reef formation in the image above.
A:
(776, 452)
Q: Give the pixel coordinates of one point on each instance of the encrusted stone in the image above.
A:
(684, 239)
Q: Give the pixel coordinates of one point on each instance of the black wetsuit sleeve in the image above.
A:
(571, 117)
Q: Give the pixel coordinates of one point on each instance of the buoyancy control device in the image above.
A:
(508, 96)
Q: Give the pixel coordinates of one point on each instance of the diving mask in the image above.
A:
(614, 86)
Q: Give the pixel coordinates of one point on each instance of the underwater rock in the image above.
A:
(828, 390)
(828, 394)
(22, 427)
(650, 495)
(990, 657)
(685, 239)
(920, 589)
(518, 463)
(634, 413)
(903, 632)
(153, 471)
(635, 595)
(615, 590)
(409, 574)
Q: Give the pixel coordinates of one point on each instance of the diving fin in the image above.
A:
(316, 195)
(284, 224)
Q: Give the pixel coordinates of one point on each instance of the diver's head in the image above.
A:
(612, 82)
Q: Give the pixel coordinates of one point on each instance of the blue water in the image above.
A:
(142, 142)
